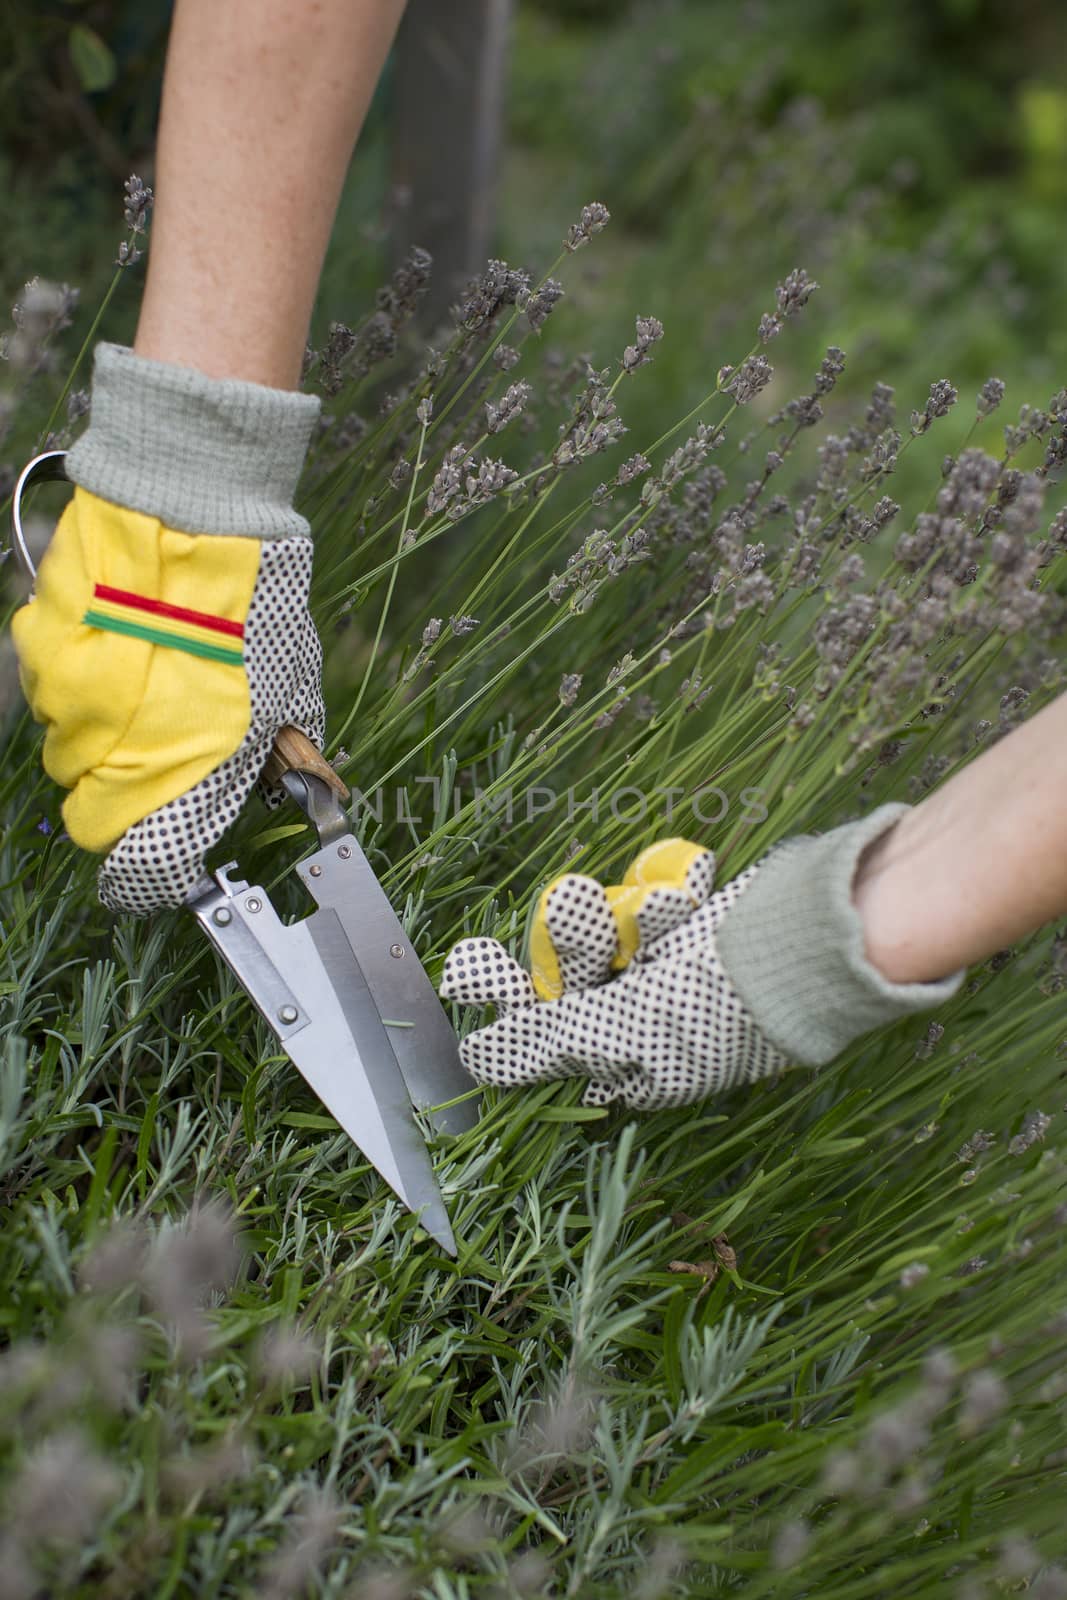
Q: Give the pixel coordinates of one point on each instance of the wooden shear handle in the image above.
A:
(293, 752)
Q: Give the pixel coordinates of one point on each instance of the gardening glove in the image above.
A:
(663, 990)
(169, 638)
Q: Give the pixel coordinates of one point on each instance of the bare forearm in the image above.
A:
(263, 101)
(978, 864)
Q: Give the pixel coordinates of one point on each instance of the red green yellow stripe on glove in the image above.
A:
(139, 616)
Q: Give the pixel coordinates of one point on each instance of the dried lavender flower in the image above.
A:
(189, 1262)
(569, 686)
(287, 1354)
(116, 1261)
(594, 218)
(939, 1367)
(635, 467)
(750, 379)
(42, 310)
(1035, 1125)
(498, 286)
(932, 1037)
(484, 480)
(310, 1536)
(979, 1142)
(432, 631)
(137, 203)
(795, 292)
(830, 369)
(984, 1398)
(606, 718)
(791, 1544)
(941, 399)
(594, 422)
(511, 404)
(539, 306)
(62, 1489)
(399, 299)
(990, 395)
(202, 1471)
(649, 332)
(769, 327)
(529, 1573)
(913, 1274)
(448, 480)
(1019, 1557)
(505, 356)
(463, 624)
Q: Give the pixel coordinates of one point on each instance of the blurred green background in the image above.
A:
(911, 156)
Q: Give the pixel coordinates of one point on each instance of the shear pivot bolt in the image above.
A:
(252, 904)
(288, 1014)
(222, 916)
(316, 872)
(345, 851)
(396, 951)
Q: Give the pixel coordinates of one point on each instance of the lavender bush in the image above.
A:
(806, 1338)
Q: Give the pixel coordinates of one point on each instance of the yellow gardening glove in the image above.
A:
(169, 637)
(162, 665)
(141, 692)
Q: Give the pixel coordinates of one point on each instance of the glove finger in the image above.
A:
(674, 863)
(517, 1049)
(480, 972)
(659, 911)
(694, 933)
(587, 1033)
(573, 938)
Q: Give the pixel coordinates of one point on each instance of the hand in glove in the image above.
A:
(169, 637)
(662, 990)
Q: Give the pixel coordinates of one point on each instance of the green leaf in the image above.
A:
(91, 59)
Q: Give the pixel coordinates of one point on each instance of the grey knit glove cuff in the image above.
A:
(793, 947)
(204, 455)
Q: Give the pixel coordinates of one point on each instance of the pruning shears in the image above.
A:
(350, 1001)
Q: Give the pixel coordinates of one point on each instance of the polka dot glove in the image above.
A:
(169, 637)
(662, 989)
(627, 989)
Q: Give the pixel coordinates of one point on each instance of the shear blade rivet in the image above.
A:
(252, 904)
(222, 916)
(288, 1013)
(344, 852)
(396, 951)
(316, 872)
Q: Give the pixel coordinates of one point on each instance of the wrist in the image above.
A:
(202, 455)
(793, 946)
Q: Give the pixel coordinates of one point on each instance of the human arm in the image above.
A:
(978, 864)
(263, 101)
(169, 638)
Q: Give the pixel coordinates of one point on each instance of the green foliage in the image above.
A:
(81, 75)
(803, 1338)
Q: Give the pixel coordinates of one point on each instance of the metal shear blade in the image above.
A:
(350, 1002)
